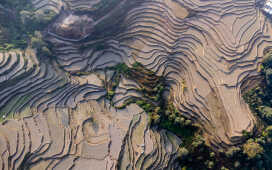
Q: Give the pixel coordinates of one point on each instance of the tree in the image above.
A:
(198, 140)
(266, 112)
(40, 45)
(183, 152)
(268, 131)
(252, 149)
(212, 154)
(236, 164)
(267, 61)
(268, 76)
(232, 151)
(45, 51)
(188, 122)
(177, 120)
(172, 117)
(156, 118)
(224, 168)
(36, 41)
(210, 165)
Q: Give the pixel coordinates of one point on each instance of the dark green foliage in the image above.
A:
(185, 132)
(266, 112)
(110, 95)
(183, 152)
(247, 135)
(122, 69)
(19, 22)
(253, 149)
(11, 26)
(42, 47)
(210, 164)
(36, 41)
(268, 76)
(267, 61)
(259, 146)
(260, 98)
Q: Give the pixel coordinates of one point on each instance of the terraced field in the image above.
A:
(26, 83)
(54, 109)
(213, 46)
(88, 136)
